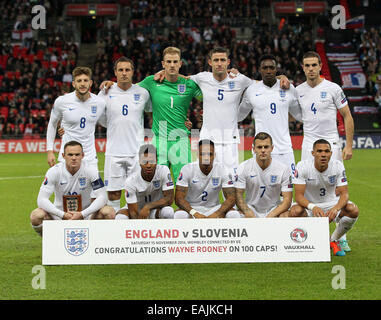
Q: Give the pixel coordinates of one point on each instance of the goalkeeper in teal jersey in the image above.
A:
(170, 102)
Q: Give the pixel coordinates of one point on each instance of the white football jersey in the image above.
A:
(139, 191)
(124, 119)
(319, 110)
(270, 112)
(61, 182)
(204, 191)
(79, 120)
(263, 187)
(320, 186)
(220, 106)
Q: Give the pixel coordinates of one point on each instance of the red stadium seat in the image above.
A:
(16, 51)
(22, 127)
(45, 64)
(4, 111)
(53, 64)
(10, 74)
(40, 55)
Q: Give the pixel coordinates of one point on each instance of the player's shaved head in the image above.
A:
(321, 141)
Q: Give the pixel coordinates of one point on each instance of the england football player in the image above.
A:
(170, 103)
(171, 99)
(221, 97)
(149, 191)
(78, 112)
(271, 105)
(71, 177)
(199, 185)
(124, 119)
(320, 99)
(316, 184)
(263, 179)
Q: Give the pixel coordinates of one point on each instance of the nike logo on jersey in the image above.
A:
(158, 85)
(111, 97)
(71, 109)
(194, 181)
(302, 96)
(62, 183)
(311, 179)
(253, 176)
(258, 94)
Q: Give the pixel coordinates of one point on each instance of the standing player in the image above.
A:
(221, 97)
(271, 105)
(149, 191)
(72, 177)
(124, 119)
(263, 179)
(78, 112)
(199, 185)
(320, 99)
(316, 183)
(170, 103)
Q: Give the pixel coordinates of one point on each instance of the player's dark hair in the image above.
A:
(71, 144)
(262, 136)
(147, 149)
(205, 142)
(124, 59)
(82, 70)
(311, 54)
(267, 57)
(321, 141)
(218, 50)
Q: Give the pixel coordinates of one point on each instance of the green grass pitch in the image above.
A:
(20, 250)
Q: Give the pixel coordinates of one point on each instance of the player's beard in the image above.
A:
(82, 95)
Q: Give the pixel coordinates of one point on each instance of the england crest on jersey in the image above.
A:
(156, 184)
(332, 179)
(82, 182)
(215, 181)
(273, 179)
(181, 88)
(323, 94)
(231, 85)
(94, 109)
(282, 93)
(136, 97)
(76, 240)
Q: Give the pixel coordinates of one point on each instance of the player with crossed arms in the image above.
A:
(71, 177)
(148, 191)
(263, 179)
(316, 184)
(199, 185)
(78, 112)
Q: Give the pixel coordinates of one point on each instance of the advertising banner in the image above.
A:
(185, 241)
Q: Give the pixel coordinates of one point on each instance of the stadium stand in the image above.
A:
(36, 65)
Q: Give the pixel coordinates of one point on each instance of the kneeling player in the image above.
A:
(76, 179)
(149, 191)
(199, 184)
(263, 179)
(315, 184)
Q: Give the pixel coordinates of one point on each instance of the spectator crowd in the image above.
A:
(35, 71)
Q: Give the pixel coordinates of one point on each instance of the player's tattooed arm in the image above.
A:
(229, 194)
(242, 205)
(167, 200)
(180, 195)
